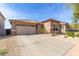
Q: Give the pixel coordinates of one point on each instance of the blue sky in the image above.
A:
(36, 12)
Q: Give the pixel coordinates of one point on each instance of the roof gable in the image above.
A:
(51, 20)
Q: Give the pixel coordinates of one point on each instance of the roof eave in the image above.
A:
(50, 19)
(2, 15)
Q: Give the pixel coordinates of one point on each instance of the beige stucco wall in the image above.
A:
(63, 29)
(47, 26)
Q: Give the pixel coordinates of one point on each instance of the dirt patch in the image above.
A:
(10, 43)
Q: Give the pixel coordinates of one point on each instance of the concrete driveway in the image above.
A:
(44, 45)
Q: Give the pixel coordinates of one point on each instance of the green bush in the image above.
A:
(70, 33)
(42, 30)
(3, 52)
(77, 34)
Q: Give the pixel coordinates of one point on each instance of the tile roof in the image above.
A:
(24, 20)
(50, 19)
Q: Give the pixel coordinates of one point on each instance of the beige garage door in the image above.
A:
(24, 30)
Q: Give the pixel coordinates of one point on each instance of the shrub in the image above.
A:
(70, 33)
(77, 34)
(3, 51)
(42, 30)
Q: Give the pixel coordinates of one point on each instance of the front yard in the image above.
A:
(37, 45)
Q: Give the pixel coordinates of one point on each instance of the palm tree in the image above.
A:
(75, 10)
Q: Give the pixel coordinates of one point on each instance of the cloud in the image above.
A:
(30, 12)
(8, 13)
(65, 15)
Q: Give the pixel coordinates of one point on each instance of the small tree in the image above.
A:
(75, 11)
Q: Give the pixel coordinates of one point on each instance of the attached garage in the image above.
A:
(24, 30)
(23, 27)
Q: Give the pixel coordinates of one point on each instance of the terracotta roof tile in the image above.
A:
(24, 20)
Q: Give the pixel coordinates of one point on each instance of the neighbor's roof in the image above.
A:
(2, 15)
(50, 19)
(23, 20)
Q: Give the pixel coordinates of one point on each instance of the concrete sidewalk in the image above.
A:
(74, 51)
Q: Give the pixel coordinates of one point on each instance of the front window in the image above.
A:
(55, 29)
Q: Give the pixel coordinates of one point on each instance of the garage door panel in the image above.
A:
(23, 30)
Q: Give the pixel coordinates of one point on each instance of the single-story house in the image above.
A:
(23, 27)
(2, 24)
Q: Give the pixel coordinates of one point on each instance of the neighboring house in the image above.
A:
(23, 27)
(2, 24)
